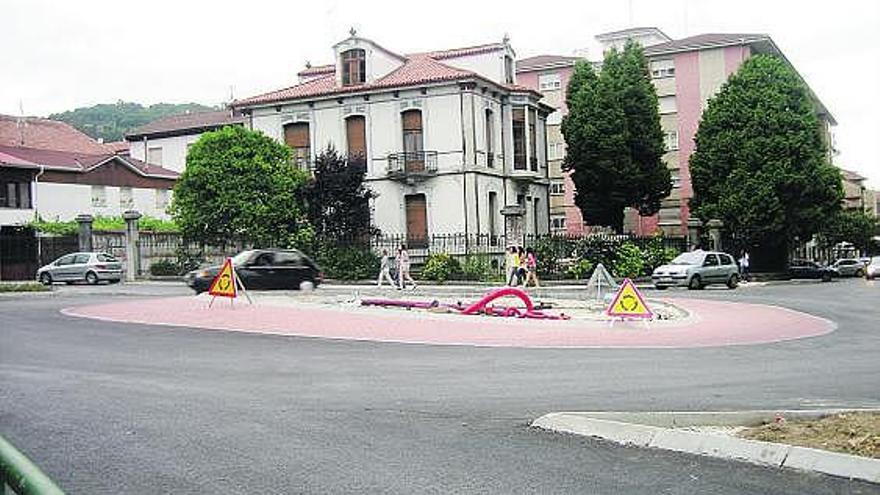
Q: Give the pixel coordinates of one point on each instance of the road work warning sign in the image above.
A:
(629, 303)
(224, 284)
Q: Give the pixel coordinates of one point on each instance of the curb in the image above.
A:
(658, 430)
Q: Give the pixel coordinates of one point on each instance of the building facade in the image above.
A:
(686, 74)
(450, 142)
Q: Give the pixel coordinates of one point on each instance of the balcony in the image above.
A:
(412, 164)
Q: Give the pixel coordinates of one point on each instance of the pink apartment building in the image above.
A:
(686, 73)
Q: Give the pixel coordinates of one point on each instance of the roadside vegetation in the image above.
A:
(108, 224)
(850, 433)
(23, 287)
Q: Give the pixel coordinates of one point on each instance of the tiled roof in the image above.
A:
(185, 123)
(418, 69)
(436, 55)
(852, 176)
(16, 156)
(117, 146)
(544, 61)
(704, 41)
(34, 132)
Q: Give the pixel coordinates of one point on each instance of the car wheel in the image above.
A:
(92, 278)
(826, 277)
(307, 286)
(733, 281)
(695, 283)
(45, 279)
(859, 273)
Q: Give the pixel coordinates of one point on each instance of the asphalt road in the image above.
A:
(111, 408)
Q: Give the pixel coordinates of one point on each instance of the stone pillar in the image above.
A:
(714, 227)
(514, 225)
(132, 253)
(693, 237)
(85, 231)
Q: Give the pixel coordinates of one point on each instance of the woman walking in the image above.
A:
(531, 268)
(385, 270)
(511, 264)
(403, 268)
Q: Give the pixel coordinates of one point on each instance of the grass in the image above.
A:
(23, 287)
(849, 433)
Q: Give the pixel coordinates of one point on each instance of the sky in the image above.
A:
(60, 55)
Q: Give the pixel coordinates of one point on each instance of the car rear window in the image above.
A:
(726, 259)
(106, 258)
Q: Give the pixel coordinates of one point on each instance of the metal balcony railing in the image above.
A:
(412, 163)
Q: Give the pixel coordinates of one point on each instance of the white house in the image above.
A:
(448, 138)
(165, 141)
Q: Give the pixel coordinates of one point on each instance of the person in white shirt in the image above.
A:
(403, 268)
(385, 270)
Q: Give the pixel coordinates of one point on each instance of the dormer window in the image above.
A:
(354, 67)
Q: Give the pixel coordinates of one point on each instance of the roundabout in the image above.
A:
(689, 322)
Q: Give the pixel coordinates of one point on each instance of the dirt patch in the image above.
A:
(849, 433)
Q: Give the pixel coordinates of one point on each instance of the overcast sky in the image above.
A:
(59, 55)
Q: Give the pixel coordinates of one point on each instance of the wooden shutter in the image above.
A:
(416, 220)
(356, 129)
(297, 135)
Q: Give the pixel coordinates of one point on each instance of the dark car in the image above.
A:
(263, 269)
(811, 269)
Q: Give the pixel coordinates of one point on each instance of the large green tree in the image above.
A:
(240, 186)
(760, 163)
(110, 121)
(853, 226)
(614, 142)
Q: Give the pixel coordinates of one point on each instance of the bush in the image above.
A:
(347, 262)
(580, 269)
(477, 267)
(23, 287)
(145, 223)
(164, 268)
(655, 254)
(629, 261)
(187, 261)
(441, 267)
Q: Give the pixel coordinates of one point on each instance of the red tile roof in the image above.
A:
(185, 123)
(21, 157)
(34, 132)
(117, 147)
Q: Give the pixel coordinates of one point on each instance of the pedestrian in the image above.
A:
(403, 268)
(744, 266)
(521, 265)
(385, 270)
(511, 264)
(531, 268)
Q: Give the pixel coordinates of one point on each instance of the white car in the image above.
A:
(873, 268)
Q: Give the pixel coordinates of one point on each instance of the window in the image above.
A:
(81, 259)
(508, 69)
(354, 67)
(670, 139)
(296, 136)
(416, 220)
(557, 188)
(162, 196)
(549, 82)
(556, 151)
(65, 260)
(154, 155)
(662, 68)
(711, 260)
(675, 176)
(493, 210)
(554, 118)
(533, 140)
(106, 258)
(557, 223)
(667, 104)
(413, 141)
(490, 138)
(15, 194)
(726, 259)
(519, 139)
(356, 135)
(126, 198)
(99, 196)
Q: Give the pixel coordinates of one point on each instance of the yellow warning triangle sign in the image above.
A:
(629, 303)
(224, 283)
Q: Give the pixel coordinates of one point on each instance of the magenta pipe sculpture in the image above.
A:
(480, 307)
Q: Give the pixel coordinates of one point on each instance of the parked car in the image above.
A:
(872, 271)
(81, 267)
(697, 269)
(263, 269)
(849, 267)
(811, 269)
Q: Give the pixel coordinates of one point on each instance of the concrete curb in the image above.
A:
(659, 430)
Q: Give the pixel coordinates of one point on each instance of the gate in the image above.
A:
(53, 247)
(18, 253)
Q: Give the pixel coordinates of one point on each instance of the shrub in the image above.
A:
(164, 267)
(477, 267)
(23, 287)
(347, 262)
(550, 251)
(629, 261)
(580, 269)
(440, 267)
(655, 254)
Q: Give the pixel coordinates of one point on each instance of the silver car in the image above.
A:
(849, 267)
(697, 269)
(873, 269)
(81, 267)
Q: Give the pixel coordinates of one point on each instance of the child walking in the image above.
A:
(532, 268)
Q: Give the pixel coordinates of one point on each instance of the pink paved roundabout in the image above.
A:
(712, 323)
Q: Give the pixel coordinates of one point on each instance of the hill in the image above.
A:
(110, 121)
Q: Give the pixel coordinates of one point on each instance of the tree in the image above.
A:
(338, 201)
(614, 142)
(110, 121)
(853, 226)
(240, 186)
(760, 163)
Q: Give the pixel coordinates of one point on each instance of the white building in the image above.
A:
(448, 138)
(165, 141)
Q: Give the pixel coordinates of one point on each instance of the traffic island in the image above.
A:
(715, 434)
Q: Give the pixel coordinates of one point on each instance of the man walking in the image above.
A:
(385, 270)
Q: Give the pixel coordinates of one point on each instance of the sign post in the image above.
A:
(227, 284)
